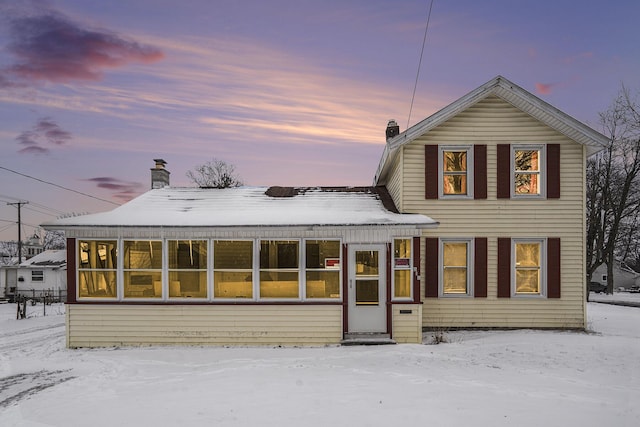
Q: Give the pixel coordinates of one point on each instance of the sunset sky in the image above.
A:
(291, 92)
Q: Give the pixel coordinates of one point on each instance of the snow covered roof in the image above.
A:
(49, 258)
(253, 206)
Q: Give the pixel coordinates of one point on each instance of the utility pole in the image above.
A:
(19, 205)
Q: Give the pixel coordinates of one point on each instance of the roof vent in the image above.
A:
(159, 175)
(392, 129)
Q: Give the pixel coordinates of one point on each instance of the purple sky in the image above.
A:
(292, 92)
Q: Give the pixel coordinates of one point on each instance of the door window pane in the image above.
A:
(366, 292)
(367, 263)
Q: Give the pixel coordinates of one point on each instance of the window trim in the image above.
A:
(542, 171)
(469, 149)
(470, 242)
(543, 267)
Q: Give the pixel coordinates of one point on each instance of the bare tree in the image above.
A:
(613, 187)
(215, 174)
(54, 239)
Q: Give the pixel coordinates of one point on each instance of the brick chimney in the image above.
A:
(159, 175)
(392, 129)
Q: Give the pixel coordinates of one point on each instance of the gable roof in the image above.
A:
(252, 207)
(514, 95)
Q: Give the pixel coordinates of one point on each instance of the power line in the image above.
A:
(59, 186)
(424, 41)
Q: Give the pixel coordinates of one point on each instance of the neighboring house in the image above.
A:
(503, 172)
(623, 275)
(42, 275)
(500, 174)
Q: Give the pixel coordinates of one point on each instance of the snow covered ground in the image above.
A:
(478, 378)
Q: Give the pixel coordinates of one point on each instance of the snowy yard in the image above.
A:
(478, 378)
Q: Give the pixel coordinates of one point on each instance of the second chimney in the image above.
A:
(392, 129)
(159, 175)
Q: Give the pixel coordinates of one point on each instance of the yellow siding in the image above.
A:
(492, 122)
(407, 327)
(103, 325)
(394, 184)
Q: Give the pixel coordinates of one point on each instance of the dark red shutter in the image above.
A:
(416, 267)
(553, 267)
(479, 171)
(71, 270)
(504, 267)
(553, 171)
(503, 186)
(430, 171)
(431, 268)
(345, 288)
(480, 268)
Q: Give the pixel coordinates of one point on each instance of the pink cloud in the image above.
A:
(50, 47)
(34, 149)
(544, 88)
(44, 131)
(122, 190)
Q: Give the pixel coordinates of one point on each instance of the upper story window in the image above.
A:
(97, 267)
(456, 171)
(527, 175)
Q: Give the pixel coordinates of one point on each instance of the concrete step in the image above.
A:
(367, 339)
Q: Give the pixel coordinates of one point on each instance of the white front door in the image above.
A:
(367, 288)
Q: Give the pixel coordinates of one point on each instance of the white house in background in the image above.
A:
(623, 275)
(40, 275)
(476, 219)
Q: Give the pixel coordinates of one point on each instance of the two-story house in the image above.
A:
(476, 219)
(503, 172)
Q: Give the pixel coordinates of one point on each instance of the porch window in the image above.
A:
(322, 268)
(142, 269)
(456, 268)
(37, 275)
(402, 268)
(233, 269)
(97, 266)
(279, 269)
(187, 268)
